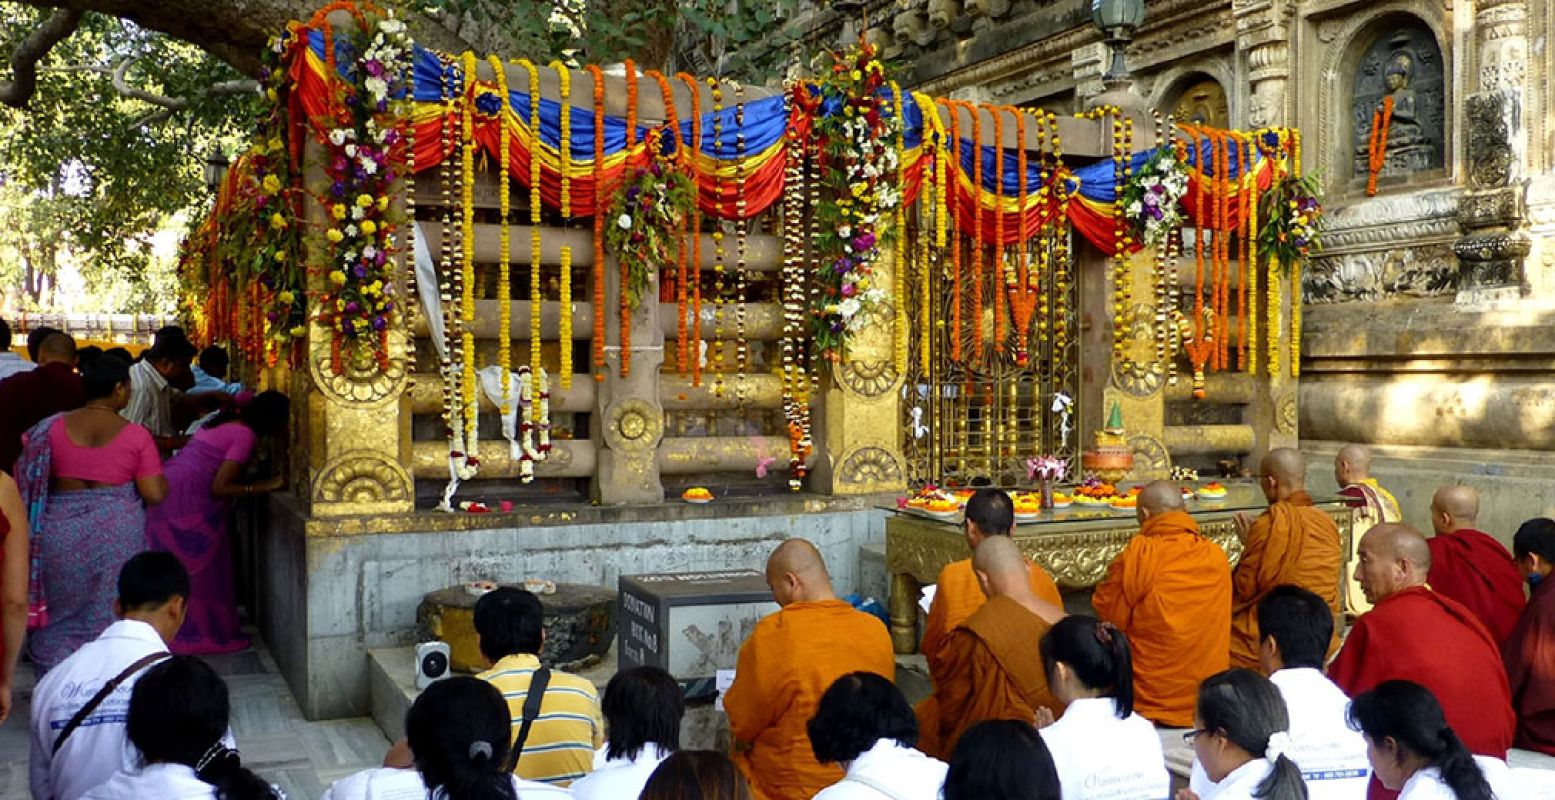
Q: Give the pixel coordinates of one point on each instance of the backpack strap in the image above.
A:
(102, 694)
(532, 700)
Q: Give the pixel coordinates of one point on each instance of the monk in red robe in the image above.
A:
(1470, 566)
(1169, 591)
(1373, 505)
(1529, 652)
(992, 668)
(787, 664)
(958, 595)
(1415, 634)
(1291, 543)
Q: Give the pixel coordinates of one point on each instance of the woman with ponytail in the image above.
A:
(1414, 752)
(1241, 736)
(178, 722)
(1101, 747)
(458, 731)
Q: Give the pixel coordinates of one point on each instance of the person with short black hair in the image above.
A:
(1414, 752)
(643, 707)
(178, 721)
(210, 373)
(1529, 653)
(10, 362)
(1101, 748)
(567, 729)
(153, 589)
(697, 775)
(1241, 735)
(864, 724)
(35, 339)
(1002, 760)
(162, 372)
(31, 397)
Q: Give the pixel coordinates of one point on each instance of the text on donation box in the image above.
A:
(690, 624)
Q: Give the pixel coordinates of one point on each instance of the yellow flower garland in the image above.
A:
(504, 260)
(564, 337)
(1295, 270)
(904, 249)
(1251, 323)
(564, 340)
(1274, 315)
(534, 213)
(467, 300)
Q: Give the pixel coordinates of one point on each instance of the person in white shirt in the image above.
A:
(1295, 627)
(864, 724)
(458, 731)
(178, 723)
(153, 592)
(10, 362)
(1102, 749)
(1415, 753)
(642, 707)
(1241, 736)
(162, 372)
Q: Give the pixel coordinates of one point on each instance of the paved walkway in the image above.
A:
(276, 742)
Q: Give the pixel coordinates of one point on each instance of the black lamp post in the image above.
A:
(215, 169)
(1117, 20)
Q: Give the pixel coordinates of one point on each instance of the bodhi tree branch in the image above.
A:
(17, 91)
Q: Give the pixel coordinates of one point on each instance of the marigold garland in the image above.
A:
(505, 248)
(718, 246)
(535, 294)
(468, 146)
(999, 264)
(564, 329)
(977, 232)
(1377, 147)
(598, 342)
(903, 266)
(693, 148)
(631, 140)
(955, 236)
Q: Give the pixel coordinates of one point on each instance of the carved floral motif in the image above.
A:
(361, 477)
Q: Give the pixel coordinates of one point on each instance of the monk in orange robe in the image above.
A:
(991, 666)
(787, 664)
(1470, 566)
(1415, 634)
(1169, 591)
(1529, 653)
(1291, 543)
(1373, 505)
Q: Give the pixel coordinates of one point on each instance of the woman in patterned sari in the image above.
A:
(86, 476)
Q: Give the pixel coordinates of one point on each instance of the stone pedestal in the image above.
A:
(580, 625)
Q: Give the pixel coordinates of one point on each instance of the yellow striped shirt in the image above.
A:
(568, 729)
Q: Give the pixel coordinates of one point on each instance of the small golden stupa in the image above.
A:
(1111, 459)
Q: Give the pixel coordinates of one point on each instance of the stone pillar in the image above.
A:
(628, 416)
(1263, 34)
(1493, 211)
(1135, 382)
(350, 461)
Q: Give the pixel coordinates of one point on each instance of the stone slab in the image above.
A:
(579, 624)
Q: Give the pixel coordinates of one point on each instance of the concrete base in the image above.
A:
(331, 590)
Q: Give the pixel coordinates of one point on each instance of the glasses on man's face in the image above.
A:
(1191, 736)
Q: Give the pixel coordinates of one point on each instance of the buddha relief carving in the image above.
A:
(1203, 103)
(1398, 104)
(912, 26)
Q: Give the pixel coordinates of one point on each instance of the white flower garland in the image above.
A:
(534, 432)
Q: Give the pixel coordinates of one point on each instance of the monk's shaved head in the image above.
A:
(1454, 508)
(1393, 557)
(796, 572)
(1000, 559)
(1285, 465)
(1358, 457)
(1159, 497)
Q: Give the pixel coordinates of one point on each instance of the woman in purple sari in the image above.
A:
(84, 476)
(203, 478)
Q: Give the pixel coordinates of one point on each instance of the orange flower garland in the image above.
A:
(682, 247)
(631, 140)
(598, 343)
(977, 232)
(999, 265)
(955, 235)
(1377, 148)
(693, 148)
(1022, 296)
(1245, 182)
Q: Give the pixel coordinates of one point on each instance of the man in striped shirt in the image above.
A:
(568, 728)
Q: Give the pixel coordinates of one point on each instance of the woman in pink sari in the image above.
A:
(192, 524)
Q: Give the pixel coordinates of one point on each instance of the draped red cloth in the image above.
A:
(1419, 635)
(1476, 570)
(1529, 654)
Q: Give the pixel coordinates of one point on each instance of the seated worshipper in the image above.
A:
(14, 548)
(643, 707)
(1001, 759)
(865, 725)
(1102, 749)
(1241, 737)
(1292, 542)
(178, 722)
(86, 476)
(990, 669)
(1373, 505)
(210, 373)
(1529, 653)
(785, 666)
(67, 759)
(162, 372)
(1170, 592)
(34, 396)
(1415, 753)
(36, 338)
(565, 727)
(697, 775)
(10, 362)
(989, 512)
(1296, 627)
(457, 730)
(1412, 633)
(203, 479)
(1470, 566)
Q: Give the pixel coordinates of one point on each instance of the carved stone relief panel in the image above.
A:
(1203, 102)
(1403, 65)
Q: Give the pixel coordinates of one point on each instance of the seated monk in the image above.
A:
(1169, 591)
(1291, 543)
(990, 512)
(1470, 566)
(992, 667)
(787, 664)
(1529, 653)
(1373, 505)
(1414, 634)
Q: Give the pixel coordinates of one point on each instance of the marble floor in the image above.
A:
(303, 757)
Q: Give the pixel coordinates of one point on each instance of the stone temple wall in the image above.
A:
(1428, 315)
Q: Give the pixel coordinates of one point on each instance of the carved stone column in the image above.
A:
(1493, 211)
(628, 415)
(1263, 35)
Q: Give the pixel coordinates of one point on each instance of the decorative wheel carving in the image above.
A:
(870, 465)
(362, 478)
(869, 378)
(1285, 414)
(633, 426)
(1138, 378)
(361, 380)
(1150, 456)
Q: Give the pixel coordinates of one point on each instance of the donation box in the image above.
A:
(691, 624)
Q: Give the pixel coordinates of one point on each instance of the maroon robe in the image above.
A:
(1476, 570)
(1529, 654)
